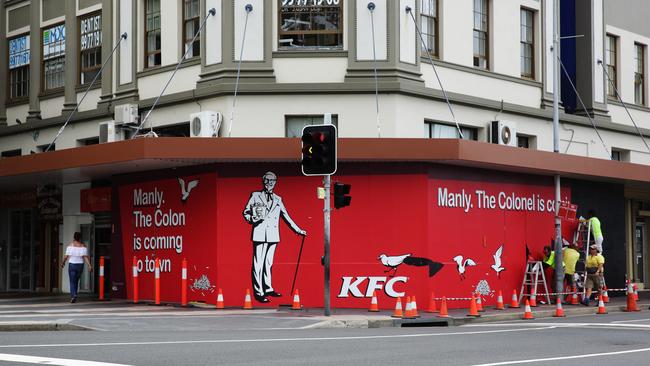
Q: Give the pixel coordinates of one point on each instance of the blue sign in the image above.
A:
(19, 52)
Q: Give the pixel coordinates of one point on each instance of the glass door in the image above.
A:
(20, 250)
(639, 242)
(87, 237)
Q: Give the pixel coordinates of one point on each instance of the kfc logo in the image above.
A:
(350, 286)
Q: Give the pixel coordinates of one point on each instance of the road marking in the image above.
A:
(53, 361)
(565, 357)
(564, 325)
(263, 340)
(631, 321)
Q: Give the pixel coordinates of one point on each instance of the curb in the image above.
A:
(39, 327)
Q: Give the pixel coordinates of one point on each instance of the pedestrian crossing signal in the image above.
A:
(341, 192)
(318, 150)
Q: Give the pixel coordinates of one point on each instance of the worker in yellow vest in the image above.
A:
(595, 269)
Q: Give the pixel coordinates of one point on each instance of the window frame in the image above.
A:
(146, 43)
(486, 32)
(79, 64)
(642, 48)
(473, 130)
(25, 97)
(335, 121)
(611, 90)
(532, 45)
(340, 30)
(436, 29)
(184, 40)
(43, 89)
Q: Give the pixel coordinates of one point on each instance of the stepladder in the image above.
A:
(583, 239)
(534, 279)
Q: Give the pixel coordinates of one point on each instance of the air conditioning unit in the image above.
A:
(503, 133)
(205, 124)
(126, 113)
(109, 133)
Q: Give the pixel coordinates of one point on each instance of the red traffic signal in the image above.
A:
(318, 150)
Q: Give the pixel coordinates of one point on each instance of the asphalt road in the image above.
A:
(614, 339)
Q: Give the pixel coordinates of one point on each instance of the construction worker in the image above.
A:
(549, 266)
(596, 231)
(570, 257)
(595, 269)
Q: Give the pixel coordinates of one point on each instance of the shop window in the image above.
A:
(527, 43)
(294, 124)
(312, 24)
(191, 24)
(481, 34)
(152, 33)
(429, 25)
(11, 153)
(19, 56)
(610, 60)
(90, 44)
(54, 57)
(434, 130)
(639, 74)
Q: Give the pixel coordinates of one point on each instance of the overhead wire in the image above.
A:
(371, 8)
(249, 9)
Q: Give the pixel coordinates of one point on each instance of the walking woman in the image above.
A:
(76, 254)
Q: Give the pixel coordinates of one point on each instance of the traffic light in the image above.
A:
(341, 192)
(318, 150)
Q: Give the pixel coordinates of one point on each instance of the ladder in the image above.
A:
(533, 277)
(583, 240)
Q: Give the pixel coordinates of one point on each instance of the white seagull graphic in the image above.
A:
(462, 264)
(392, 262)
(497, 261)
(185, 191)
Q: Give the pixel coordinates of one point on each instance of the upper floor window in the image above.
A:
(527, 44)
(639, 73)
(295, 124)
(90, 44)
(152, 33)
(610, 60)
(481, 33)
(19, 56)
(434, 130)
(191, 23)
(54, 57)
(429, 25)
(311, 24)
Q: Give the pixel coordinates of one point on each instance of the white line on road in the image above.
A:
(631, 321)
(259, 340)
(565, 357)
(53, 361)
(563, 325)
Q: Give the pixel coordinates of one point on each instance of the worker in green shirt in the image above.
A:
(596, 231)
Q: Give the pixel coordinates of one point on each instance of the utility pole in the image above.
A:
(559, 269)
(327, 182)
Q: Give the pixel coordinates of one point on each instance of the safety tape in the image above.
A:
(571, 293)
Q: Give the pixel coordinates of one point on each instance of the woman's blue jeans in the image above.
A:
(74, 272)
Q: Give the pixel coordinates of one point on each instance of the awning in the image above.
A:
(102, 161)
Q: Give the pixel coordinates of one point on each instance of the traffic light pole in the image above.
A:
(326, 256)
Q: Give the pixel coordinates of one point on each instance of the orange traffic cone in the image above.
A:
(397, 313)
(631, 301)
(296, 301)
(373, 303)
(414, 308)
(500, 302)
(220, 300)
(601, 305)
(479, 303)
(513, 302)
(443, 308)
(248, 304)
(528, 314)
(636, 293)
(559, 312)
(408, 308)
(432, 304)
(574, 296)
(533, 298)
(473, 311)
(605, 295)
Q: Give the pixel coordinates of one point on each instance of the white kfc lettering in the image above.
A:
(350, 286)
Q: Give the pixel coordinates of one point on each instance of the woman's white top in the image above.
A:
(76, 254)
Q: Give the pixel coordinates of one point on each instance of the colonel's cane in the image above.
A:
(297, 265)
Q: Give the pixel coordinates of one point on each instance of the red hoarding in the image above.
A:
(403, 234)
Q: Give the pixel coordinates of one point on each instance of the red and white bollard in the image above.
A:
(135, 280)
(184, 283)
(157, 282)
(101, 278)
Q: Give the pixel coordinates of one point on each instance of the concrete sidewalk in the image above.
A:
(48, 313)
